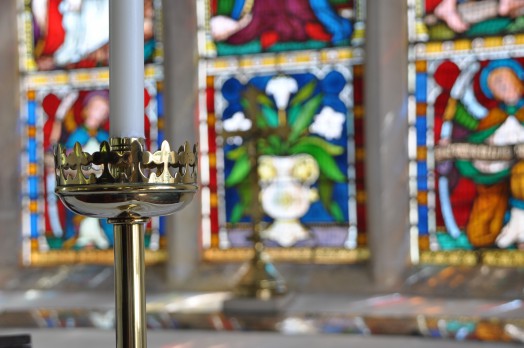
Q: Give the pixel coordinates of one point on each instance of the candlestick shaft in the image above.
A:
(129, 283)
(126, 68)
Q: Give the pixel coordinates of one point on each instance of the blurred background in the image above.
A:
(374, 146)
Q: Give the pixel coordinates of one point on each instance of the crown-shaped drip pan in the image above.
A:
(124, 180)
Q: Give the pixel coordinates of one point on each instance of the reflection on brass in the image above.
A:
(130, 297)
(128, 185)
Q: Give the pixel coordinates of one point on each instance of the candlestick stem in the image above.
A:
(129, 283)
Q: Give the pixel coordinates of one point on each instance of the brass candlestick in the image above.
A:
(259, 278)
(127, 185)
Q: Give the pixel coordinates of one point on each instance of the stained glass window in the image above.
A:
(65, 99)
(74, 34)
(466, 97)
(293, 94)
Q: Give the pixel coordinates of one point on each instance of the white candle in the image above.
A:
(126, 68)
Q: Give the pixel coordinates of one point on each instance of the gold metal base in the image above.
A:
(259, 278)
(130, 297)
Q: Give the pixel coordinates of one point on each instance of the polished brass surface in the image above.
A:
(128, 185)
(124, 160)
(129, 283)
(123, 178)
(260, 279)
(111, 200)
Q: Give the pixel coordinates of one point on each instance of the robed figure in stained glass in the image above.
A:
(75, 33)
(265, 23)
(484, 198)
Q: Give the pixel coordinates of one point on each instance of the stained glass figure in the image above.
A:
(468, 127)
(466, 78)
(72, 34)
(253, 26)
(68, 114)
(439, 20)
(64, 99)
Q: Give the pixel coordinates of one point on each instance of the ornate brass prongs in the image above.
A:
(125, 161)
(161, 160)
(70, 169)
(183, 163)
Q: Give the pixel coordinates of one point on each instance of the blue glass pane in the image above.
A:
(421, 125)
(34, 225)
(31, 113)
(31, 149)
(33, 187)
(162, 225)
(423, 219)
(422, 169)
(160, 104)
(421, 90)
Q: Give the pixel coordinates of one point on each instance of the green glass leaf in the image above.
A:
(326, 163)
(304, 93)
(336, 212)
(265, 100)
(237, 153)
(334, 150)
(261, 121)
(245, 191)
(293, 113)
(305, 117)
(325, 190)
(270, 115)
(276, 144)
(237, 213)
(252, 108)
(264, 148)
(240, 171)
(245, 104)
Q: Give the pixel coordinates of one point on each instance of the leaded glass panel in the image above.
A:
(466, 95)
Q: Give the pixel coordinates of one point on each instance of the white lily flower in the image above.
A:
(328, 123)
(281, 87)
(238, 122)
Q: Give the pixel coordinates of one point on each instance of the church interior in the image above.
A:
(304, 173)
